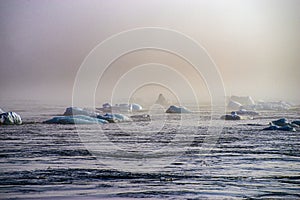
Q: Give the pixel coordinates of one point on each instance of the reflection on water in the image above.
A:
(41, 160)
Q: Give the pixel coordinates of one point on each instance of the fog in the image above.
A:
(254, 43)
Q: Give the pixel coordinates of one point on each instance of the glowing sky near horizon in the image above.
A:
(255, 43)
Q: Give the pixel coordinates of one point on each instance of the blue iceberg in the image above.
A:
(114, 118)
(280, 128)
(79, 111)
(296, 122)
(76, 119)
(282, 124)
(136, 107)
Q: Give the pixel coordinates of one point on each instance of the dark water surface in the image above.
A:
(50, 161)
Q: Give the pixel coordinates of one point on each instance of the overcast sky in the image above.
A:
(255, 43)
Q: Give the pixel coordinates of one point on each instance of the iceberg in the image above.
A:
(122, 107)
(138, 118)
(10, 118)
(287, 128)
(106, 107)
(161, 100)
(280, 128)
(234, 105)
(244, 100)
(76, 119)
(280, 105)
(232, 116)
(136, 107)
(177, 109)
(297, 122)
(282, 124)
(83, 119)
(246, 112)
(133, 107)
(271, 128)
(114, 118)
(128, 107)
(78, 111)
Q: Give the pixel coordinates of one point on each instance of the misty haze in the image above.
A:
(149, 99)
(254, 44)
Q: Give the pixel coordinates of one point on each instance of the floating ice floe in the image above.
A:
(282, 124)
(232, 116)
(138, 118)
(75, 119)
(297, 122)
(79, 111)
(177, 109)
(75, 115)
(280, 128)
(114, 118)
(10, 118)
